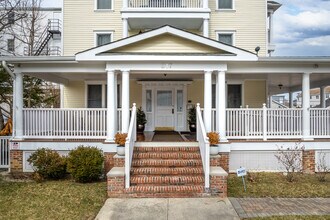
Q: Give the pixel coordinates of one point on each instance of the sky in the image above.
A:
(302, 27)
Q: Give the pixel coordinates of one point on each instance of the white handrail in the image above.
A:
(204, 145)
(129, 145)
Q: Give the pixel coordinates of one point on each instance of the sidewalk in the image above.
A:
(164, 209)
(263, 207)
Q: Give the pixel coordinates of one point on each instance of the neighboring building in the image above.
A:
(48, 29)
(166, 56)
(316, 98)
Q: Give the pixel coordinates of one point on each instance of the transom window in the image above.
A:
(225, 4)
(227, 38)
(104, 4)
(102, 38)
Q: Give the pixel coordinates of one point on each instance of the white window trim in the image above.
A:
(103, 10)
(225, 9)
(102, 32)
(233, 33)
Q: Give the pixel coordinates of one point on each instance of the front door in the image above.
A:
(164, 110)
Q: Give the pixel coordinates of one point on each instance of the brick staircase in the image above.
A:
(166, 172)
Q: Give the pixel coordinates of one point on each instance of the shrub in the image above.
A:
(140, 117)
(291, 159)
(213, 138)
(48, 164)
(322, 168)
(120, 139)
(85, 164)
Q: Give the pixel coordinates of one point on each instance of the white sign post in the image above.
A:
(241, 172)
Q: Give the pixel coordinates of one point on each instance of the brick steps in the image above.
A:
(165, 189)
(167, 180)
(166, 170)
(167, 155)
(166, 149)
(166, 163)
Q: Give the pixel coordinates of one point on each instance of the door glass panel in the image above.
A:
(148, 101)
(179, 101)
(234, 96)
(164, 98)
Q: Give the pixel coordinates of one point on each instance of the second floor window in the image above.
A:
(11, 45)
(225, 4)
(11, 18)
(226, 38)
(102, 39)
(104, 4)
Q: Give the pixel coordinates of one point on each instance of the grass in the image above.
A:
(291, 217)
(51, 200)
(275, 185)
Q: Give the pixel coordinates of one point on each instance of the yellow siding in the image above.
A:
(196, 92)
(248, 20)
(255, 93)
(80, 22)
(74, 95)
(135, 93)
(167, 44)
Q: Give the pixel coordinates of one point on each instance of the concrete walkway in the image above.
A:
(264, 207)
(164, 209)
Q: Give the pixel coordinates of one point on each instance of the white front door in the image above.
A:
(165, 109)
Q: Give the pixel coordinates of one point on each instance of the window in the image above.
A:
(94, 96)
(103, 4)
(102, 38)
(11, 17)
(11, 45)
(225, 4)
(227, 38)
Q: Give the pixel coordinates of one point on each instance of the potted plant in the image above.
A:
(214, 141)
(140, 120)
(120, 139)
(192, 119)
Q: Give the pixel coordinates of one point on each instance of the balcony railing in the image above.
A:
(165, 3)
(47, 51)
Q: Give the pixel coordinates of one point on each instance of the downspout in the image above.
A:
(8, 70)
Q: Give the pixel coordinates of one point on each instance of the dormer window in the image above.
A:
(103, 4)
(225, 4)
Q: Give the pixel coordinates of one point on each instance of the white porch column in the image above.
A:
(270, 101)
(221, 105)
(125, 3)
(290, 99)
(206, 27)
(18, 105)
(306, 106)
(125, 27)
(125, 100)
(322, 97)
(205, 4)
(271, 27)
(208, 100)
(111, 106)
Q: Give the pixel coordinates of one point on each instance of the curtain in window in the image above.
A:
(103, 39)
(226, 38)
(94, 96)
(225, 4)
(103, 4)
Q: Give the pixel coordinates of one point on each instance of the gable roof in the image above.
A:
(211, 47)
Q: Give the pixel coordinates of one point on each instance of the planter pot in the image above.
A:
(121, 150)
(140, 128)
(192, 127)
(214, 150)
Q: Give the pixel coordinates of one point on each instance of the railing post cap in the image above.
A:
(197, 104)
(134, 104)
(264, 105)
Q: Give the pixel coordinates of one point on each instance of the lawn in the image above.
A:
(275, 185)
(51, 200)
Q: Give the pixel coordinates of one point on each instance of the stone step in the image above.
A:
(167, 180)
(166, 149)
(166, 170)
(167, 155)
(166, 163)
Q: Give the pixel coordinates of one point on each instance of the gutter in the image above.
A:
(8, 70)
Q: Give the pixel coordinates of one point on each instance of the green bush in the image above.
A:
(85, 164)
(48, 164)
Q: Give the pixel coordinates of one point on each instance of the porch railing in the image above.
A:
(129, 146)
(204, 145)
(66, 123)
(165, 3)
(4, 151)
(320, 122)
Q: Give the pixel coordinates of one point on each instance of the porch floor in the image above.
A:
(148, 136)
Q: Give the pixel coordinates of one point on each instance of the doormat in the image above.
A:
(170, 136)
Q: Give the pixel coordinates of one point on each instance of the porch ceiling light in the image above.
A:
(280, 86)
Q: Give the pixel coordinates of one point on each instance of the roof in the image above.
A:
(272, 5)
